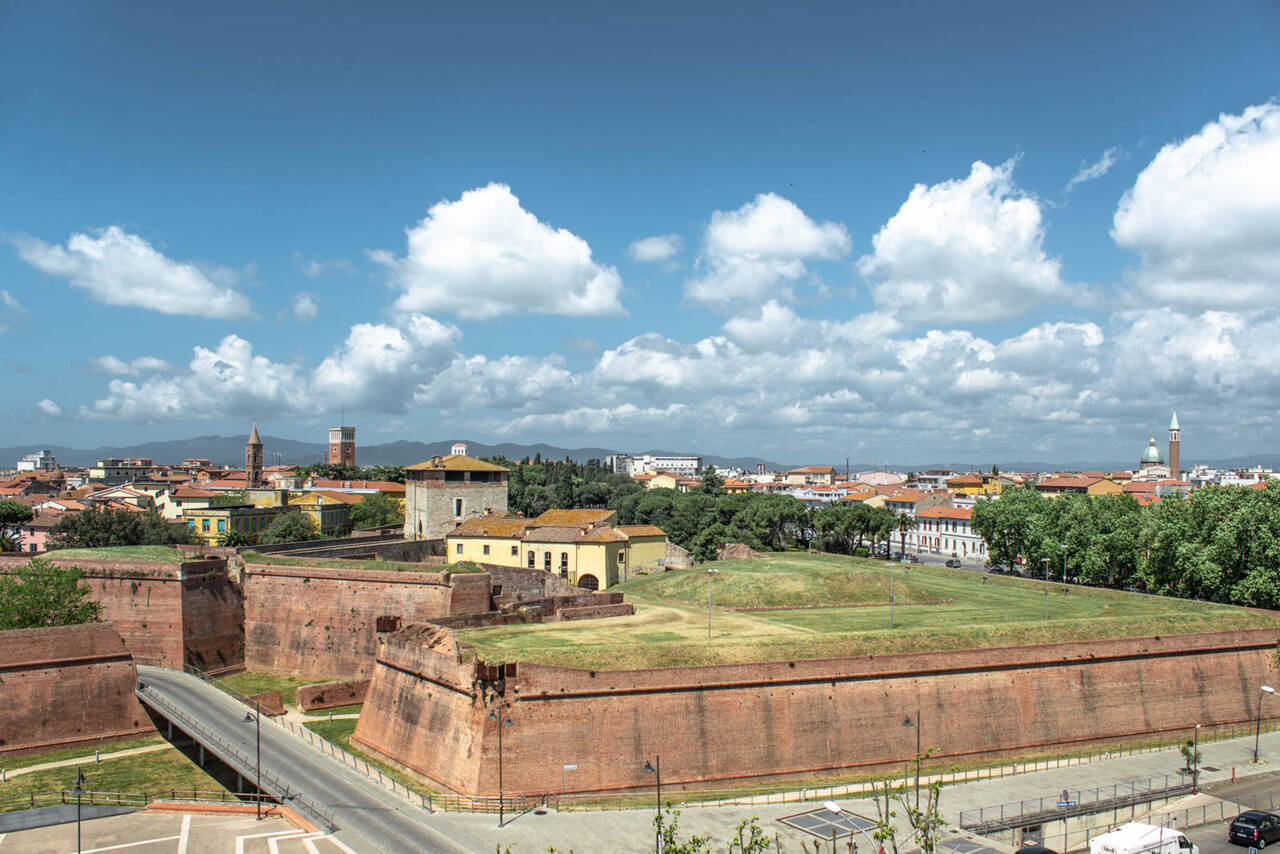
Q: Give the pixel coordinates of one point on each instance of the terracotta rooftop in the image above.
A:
(946, 513)
(575, 518)
(642, 530)
(907, 497)
(492, 525)
(1067, 482)
(454, 462)
(813, 470)
(185, 491)
(602, 535)
(380, 485)
(965, 480)
(552, 534)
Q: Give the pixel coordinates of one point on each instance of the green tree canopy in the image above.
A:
(375, 510)
(41, 594)
(291, 527)
(96, 527)
(13, 515)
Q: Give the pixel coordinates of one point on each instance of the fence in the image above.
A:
(1086, 802)
(1197, 816)
(123, 799)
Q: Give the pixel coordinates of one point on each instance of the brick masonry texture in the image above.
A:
(322, 622)
(66, 686)
(427, 710)
(178, 613)
(328, 695)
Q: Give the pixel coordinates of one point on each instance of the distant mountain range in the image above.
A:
(229, 450)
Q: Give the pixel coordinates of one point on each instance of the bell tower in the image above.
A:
(253, 460)
(1174, 442)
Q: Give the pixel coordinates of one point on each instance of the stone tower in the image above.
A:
(342, 446)
(1174, 442)
(444, 492)
(253, 460)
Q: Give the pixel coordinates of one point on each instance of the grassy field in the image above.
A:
(353, 709)
(142, 554)
(144, 773)
(250, 683)
(339, 733)
(339, 563)
(935, 608)
(15, 762)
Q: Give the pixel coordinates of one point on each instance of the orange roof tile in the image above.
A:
(574, 518)
(642, 530)
(946, 513)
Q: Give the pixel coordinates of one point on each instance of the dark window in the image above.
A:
(546, 561)
(533, 560)
(459, 548)
(457, 507)
(564, 561)
(515, 551)
(486, 549)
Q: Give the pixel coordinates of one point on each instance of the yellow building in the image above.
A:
(329, 513)
(973, 484)
(210, 523)
(584, 547)
(1055, 486)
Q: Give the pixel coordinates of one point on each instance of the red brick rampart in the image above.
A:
(322, 621)
(67, 686)
(427, 709)
(328, 695)
(187, 612)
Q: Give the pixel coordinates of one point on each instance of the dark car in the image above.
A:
(1254, 828)
(1036, 849)
(952, 563)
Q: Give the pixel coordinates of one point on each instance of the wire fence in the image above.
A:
(137, 800)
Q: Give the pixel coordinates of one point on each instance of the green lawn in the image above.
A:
(935, 608)
(144, 773)
(250, 683)
(337, 710)
(339, 733)
(337, 563)
(86, 753)
(142, 554)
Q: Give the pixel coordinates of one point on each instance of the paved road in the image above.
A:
(370, 819)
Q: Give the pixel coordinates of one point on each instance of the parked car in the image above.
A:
(1254, 828)
(952, 563)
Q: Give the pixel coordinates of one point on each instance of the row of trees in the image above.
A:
(537, 485)
(1220, 543)
(330, 471)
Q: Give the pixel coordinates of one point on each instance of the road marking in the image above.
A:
(341, 844)
(184, 835)
(129, 845)
(2, 836)
(282, 834)
(273, 842)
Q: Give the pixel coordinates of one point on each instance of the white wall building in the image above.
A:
(40, 461)
(946, 531)
(688, 466)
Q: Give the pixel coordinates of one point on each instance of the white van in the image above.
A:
(1138, 838)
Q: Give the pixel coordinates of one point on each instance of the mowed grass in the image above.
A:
(253, 682)
(935, 609)
(146, 773)
(86, 753)
(339, 563)
(142, 554)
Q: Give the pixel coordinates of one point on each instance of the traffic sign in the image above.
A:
(1065, 804)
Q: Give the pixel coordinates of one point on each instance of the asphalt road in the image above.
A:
(1212, 838)
(370, 819)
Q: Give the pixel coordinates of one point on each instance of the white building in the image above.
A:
(687, 466)
(41, 461)
(946, 531)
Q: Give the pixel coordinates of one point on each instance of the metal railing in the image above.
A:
(229, 753)
(137, 800)
(1197, 816)
(1084, 802)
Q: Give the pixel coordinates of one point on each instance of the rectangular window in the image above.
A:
(204, 525)
(458, 548)
(457, 507)
(564, 560)
(532, 560)
(486, 549)
(222, 525)
(515, 551)
(546, 561)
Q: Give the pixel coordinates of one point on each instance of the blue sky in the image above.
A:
(868, 239)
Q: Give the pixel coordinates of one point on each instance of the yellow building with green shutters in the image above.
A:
(210, 523)
(584, 547)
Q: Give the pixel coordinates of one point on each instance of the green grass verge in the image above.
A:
(965, 610)
(337, 563)
(339, 733)
(27, 760)
(253, 682)
(145, 773)
(142, 554)
(338, 710)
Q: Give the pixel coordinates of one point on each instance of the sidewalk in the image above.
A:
(632, 830)
(86, 760)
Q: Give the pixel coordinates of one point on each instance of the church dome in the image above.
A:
(1151, 454)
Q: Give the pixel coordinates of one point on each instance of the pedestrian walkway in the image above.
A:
(88, 760)
(632, 830)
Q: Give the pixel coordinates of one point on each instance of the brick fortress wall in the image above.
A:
(67, 686)
(427, 709)
(322, 622)
(178, 613)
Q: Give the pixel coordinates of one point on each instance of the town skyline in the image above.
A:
(798, 236)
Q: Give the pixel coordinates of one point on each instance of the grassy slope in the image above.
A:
(250, 683)
(144, 554)
(670, 624)
(144, 773)
(26, 761)
(339, 733)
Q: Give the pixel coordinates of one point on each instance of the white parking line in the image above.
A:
(240, 839)
(341, 844)
(127, 845)
(184, 835)
(273, 842)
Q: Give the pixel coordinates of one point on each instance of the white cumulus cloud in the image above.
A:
(378, 367)
(48, 407)
(661, 247)
(118, 268)
(484, 255)
(1205, 216)
(305, 308)
(758, 252)
(117, 367)
(962, 251)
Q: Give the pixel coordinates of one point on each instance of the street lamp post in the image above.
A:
(257, 738)
(890, 595)
(506, 723)
(1195, 757)
(656, 769)
(1064, 563)
(1045, 561)
(78, 788)
(1257, 733)
(908, 722)
(710, 572)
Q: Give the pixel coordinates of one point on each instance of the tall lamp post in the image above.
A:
(1195, 756)
(256, 717)
(1064, 563)
(1045, 561)
(1257, 733)
(506, 723)
(711, 571)
(656, 769)
(908, 722)
(78, 788)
